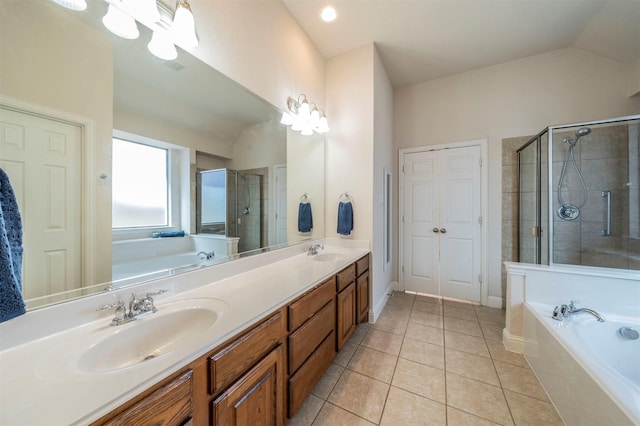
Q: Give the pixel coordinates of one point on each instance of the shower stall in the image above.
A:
(579, 195)
(231, 203)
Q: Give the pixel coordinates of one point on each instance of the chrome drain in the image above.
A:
(628, 333)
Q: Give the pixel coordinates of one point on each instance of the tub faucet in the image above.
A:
(206, 256)
(566, 311)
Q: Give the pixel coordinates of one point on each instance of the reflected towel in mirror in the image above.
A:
(305, 218)
(345, 218)
(11, 302)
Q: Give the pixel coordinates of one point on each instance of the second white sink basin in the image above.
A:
(175, 325)
(329, 257)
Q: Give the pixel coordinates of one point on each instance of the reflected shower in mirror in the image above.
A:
(70, 83)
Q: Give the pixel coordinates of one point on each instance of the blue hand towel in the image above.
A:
(345, 218)
(170, 234)
(305, 218)
(11, 302)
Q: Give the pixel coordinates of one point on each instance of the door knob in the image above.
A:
(436, 230)
(443, 230)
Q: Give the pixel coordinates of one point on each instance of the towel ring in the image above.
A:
(304, 198)
(345, 197)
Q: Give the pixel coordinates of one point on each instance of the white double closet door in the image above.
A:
(442, 222)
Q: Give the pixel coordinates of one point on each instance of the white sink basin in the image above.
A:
(176, 325)
(329, 257)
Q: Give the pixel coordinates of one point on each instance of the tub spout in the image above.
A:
(573, 310)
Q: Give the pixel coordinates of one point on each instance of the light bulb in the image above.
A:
(328, 14)
(287, 119)
(77, 5)
(120, 23)
(323, 125)
(184, 26)
(304, 112)
(315, 117)
(162, 46)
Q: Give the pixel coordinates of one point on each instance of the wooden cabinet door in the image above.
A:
(346, 314)
(257, 398)
(362, 296)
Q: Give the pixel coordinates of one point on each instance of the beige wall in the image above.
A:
(261, 46)
(382, 158)
(511, 99)
(634, 86)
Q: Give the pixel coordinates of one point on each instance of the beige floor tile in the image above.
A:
(425, 318)
(360, 331)
(390, 324)
(398, 312)
(500, 353)
(405, 302)
(428, 307)
(430, 299)
(491, 316)
(465, 343)
(532, 411)
(477, 398)
(471, 366)
(307, 412)
(382, 341)
(423, 352)
(325, 385)
(454, 304)
(374, 364)
(402, 294)
(492, 332)
(360, 395)
(330, 415)
(420, 379)
(471, 328)
(425, 333)
(520, 379)
(456, 417)
(465, 314)
(344, 356)
(405, 408)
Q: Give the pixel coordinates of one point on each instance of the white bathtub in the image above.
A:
(592, 374)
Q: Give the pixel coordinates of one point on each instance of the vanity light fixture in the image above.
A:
(77, 5)
(328, 14)
(161, 45)
(184, 27)
(120, 23)
(302, 118)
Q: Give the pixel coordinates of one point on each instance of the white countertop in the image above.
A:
(41, 382)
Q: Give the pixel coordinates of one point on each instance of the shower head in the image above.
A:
(583, 131)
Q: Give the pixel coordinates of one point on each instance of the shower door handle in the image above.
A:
(607, 231)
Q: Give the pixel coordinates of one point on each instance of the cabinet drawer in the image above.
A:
(362, 265)
(304, 308)
(301, 384)
(307, 338)
(170, 405)
(346, 276)
(232, 361)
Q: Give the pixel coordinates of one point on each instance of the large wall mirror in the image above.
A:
(86, 116)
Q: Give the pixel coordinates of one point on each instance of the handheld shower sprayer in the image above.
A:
(568, 211)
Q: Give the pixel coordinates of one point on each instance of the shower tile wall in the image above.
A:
(510, 201)
(603, 158)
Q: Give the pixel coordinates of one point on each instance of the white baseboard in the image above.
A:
(375, 311)
(494, 302)
(512, 343)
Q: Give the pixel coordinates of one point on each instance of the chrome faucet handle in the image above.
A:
(156, 293)
(565, 310)
(573, 303)
(556, 315)
(116, 305)
(148, 300)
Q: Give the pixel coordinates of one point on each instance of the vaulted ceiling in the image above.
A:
(421, 40)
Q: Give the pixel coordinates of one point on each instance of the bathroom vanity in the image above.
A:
(247, 348)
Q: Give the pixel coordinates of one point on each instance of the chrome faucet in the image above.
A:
(138, 308)
(313, 249)
(565, 311)
(206, 256)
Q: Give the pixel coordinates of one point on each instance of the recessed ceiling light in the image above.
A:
(329, 14)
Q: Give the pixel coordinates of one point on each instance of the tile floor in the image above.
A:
(428, 362)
